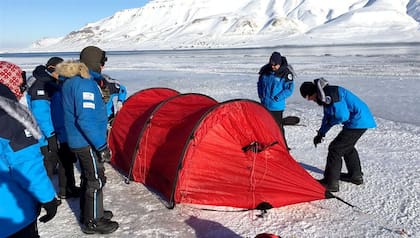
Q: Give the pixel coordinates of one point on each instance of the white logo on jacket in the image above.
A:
(40, 92)
(27, 133)
(89, 105)
(89, 96)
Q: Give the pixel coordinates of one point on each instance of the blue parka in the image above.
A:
(85, 118)
(275, 87)
(115, 90)
(24, 183)
(343, 107)
(57, 112)
(38, 98)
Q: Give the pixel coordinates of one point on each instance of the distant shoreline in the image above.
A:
(154, 51)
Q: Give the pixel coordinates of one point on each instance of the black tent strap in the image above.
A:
(257, 147)
(400, 231)
(328, 194)
(263, 207)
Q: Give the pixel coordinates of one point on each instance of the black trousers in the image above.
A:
(343, 146)
(278, 116)
(30, 231)
(66, 181)
(65, 159)
(92, 181)
(50, 161)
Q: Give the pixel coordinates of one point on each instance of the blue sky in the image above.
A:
(25, 21)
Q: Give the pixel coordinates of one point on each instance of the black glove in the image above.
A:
(318, 139)
(104, 155)
(51, 209)
(52, 143)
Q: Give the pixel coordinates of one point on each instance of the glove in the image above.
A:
(318, 139)
(104, 155)
(118, 106)
(51, 209)
(52, 143)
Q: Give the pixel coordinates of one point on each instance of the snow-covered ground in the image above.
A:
(386, 77)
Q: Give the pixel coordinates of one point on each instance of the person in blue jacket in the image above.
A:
(44, 100)
(341, 106)
(24, 184)
(111, 89)
(85, 121)
(275, 85)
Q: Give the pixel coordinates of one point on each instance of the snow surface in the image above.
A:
(386, 77)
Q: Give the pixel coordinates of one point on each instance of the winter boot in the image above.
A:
(107, 216)
(346, 177)
(101, 226)
(58, 200)
(70, 193)
(331, 186)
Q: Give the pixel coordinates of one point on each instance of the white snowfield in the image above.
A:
(386, 77)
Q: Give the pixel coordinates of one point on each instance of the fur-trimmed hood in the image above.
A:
(70, 69)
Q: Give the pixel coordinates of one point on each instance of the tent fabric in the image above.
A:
(130, 121)
(191, 149)
(161, 144)
(216, 170)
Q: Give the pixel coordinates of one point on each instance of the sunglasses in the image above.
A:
(24, 84)
(51, 69)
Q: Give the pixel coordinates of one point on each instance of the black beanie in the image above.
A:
(275, 58)
(93, 58)
(53, 61)
(307, 89)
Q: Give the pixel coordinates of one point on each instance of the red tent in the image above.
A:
(192, 149)
(130, 121)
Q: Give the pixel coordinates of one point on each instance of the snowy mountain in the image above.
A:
(177, 24)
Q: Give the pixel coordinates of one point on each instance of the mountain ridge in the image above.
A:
(203, 24)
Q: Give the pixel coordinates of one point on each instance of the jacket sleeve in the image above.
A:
(22, 155)
(27, 169)
(122, 94)
(259, 87)
(334, 114)
(288, 87)
(265, 70)
(341, 113)
(91, 114)
(41, 110)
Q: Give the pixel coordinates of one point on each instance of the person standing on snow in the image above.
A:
(275, 85)
(340, 107)
(44, 100)
(24, 184)
(110, 87)
(85, 120)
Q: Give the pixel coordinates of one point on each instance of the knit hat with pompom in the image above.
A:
(11, 75)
